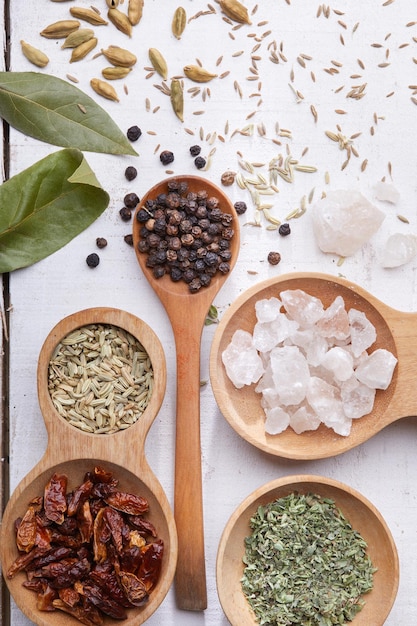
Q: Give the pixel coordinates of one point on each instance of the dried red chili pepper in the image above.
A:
(54, 499)
(79, 496)
(103, 602)
(127, 503)
(101, 535)
(26, 531)
(80, 613)
(85, 522)
(150, 567)
(135, 590)
(143, 525)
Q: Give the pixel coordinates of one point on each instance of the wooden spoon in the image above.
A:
(187, 313)
(396, 332)
(364, 518)
(73, 452)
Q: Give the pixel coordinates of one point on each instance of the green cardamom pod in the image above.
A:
(35, 56)
(198, 74)
(177, 99)
(158, 62)
(179, 22)
(78, 37)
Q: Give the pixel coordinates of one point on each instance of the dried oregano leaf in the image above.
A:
(52, 110)
(46, 206)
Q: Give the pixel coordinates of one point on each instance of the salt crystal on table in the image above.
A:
(277, 420)
(386, 192)
(338, 361)
(290, 373)
(267, 309)
(301, 307)
(358, 399)
(335, 322)
(266, 335)
(376, 371)
(362, 332)
(304, 419)
(242, 362)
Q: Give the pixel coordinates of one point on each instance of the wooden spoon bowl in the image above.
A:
(187, 313)
(242, 407)
(362, 515)
(73, 452)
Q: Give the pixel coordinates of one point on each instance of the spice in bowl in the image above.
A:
(304, 563)
(100, 378)
(90, 552)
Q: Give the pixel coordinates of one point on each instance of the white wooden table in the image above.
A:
(383, 469)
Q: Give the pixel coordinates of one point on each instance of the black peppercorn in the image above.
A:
(240, 207)
(274, 258)
(125, 214)
(133, 133)
(195, 151)
(101, 242)
(284, 230)
(199, 162)
(166, 157)
(128, 239)
(131, 200)
(93, 260)
(142, 215)
(131, 172)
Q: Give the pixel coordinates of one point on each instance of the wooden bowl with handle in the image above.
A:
(362, 515)
(73, 452)
(242, 407)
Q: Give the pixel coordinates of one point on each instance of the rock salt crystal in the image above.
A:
(344, 221)
(399, 249)
(310, 364)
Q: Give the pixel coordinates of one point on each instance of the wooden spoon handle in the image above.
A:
(190, 580)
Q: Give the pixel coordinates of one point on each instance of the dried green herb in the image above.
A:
(48, 108)
(212, 316)
(45, 206)
(305, 564)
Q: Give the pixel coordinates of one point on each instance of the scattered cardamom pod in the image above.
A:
(177, 98)
(104, 89)
(235, 10)
(76, 38)
(120, 20)
(61, 29)
(135, 11)
(83, 49)
(198, 74)
(179, 22)
(158, 62)
(88, 15)
(114, 73)
(119, 56)
(35, 56)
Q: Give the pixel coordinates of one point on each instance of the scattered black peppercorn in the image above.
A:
(125, 214)
(133, 133)
(195, 150)
(131, 172)
(101, 242)
(131, 200)
(200, 162)
(284, 230)
(93, 260)
(166, 157)
(240, 207)
(128, 239)
(274, 258)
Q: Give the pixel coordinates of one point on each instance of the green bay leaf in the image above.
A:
(46, 206)
(54, 111)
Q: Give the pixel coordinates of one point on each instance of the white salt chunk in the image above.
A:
(344, 221)
(267, 309)
(358, 399)
(290, 374)
(242, 362)
(326, 401)
(277, 420)
(301, 307)
(304, 419)
(399, 250)
(313, 345)
(334, 322)
(338, 361)
(362, 331)
(376, 371)
(386, 192)
(266, 335)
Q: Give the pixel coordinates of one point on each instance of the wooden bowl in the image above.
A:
(74, 452)
(242, 407)
(364, 518)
